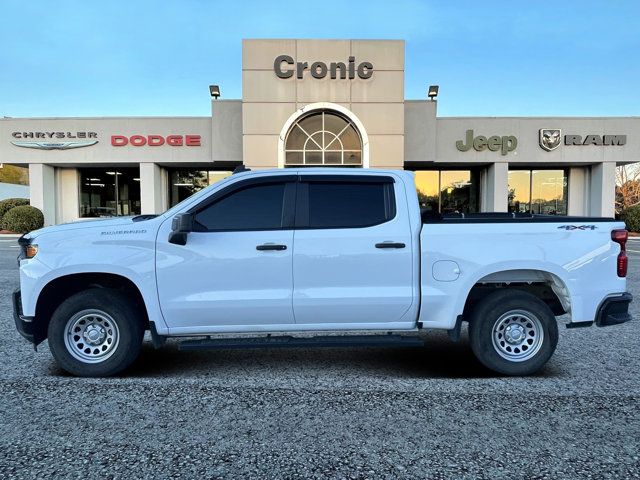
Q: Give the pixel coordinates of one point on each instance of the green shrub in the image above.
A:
(9, 203)
(22, 219)
(631, 216)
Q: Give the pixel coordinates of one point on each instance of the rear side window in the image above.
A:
(258, 207)
(349, 205)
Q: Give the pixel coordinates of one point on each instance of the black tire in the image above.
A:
(524, 349)
(104, 314)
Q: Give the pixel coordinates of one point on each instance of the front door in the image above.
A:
(352, 262)
(235, 271)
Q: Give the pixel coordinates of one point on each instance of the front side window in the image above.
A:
(323, 138)
(109, 192)
(257, 207)
(348, 205)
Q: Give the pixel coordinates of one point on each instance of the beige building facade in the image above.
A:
(322, 103)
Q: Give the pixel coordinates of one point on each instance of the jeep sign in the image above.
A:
(505, 143)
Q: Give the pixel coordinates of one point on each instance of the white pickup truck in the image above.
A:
(340, 257)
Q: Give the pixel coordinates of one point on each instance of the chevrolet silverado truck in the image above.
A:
(317, 257)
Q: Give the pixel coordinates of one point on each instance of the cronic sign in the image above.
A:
(285, 67)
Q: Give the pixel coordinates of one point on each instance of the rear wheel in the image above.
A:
(513, 332)
(95, 333)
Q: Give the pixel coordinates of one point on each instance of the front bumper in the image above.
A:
(614, 310)
(24, 325)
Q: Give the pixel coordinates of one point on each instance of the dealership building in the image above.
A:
(322, 103)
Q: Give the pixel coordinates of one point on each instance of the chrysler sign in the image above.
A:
(54, 140)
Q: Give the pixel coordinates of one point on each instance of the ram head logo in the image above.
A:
(550, 138)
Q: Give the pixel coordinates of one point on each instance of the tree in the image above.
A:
(627, 186)
(13, 174)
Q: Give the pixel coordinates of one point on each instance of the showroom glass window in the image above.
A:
(185, 182)
(109, 192)
(323, 138)
(538, 191)
(448, 191)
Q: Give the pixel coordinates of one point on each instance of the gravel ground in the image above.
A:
(317, 413)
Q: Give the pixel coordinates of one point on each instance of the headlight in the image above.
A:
(30, 251)
(27, 249)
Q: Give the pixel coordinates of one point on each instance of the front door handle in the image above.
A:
(390, 245)
(271, 246)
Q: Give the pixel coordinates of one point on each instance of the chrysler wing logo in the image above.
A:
(550, 138)
(54, 145)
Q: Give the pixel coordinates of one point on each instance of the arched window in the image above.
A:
(323, 137)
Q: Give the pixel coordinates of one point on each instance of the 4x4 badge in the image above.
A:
(578, 227)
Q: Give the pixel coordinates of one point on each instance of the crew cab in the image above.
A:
(317, 257)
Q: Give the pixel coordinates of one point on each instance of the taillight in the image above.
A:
(620, 237)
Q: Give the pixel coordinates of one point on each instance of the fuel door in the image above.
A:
(445, 271)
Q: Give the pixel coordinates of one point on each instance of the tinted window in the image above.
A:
(338, 205)
(256, 207)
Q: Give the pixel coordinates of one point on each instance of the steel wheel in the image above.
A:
(517, 335)
(91, 336)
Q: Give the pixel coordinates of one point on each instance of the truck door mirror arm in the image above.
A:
(181, 225)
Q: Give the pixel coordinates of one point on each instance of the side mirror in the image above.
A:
(181, 225)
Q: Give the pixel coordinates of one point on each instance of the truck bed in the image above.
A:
(460, 251)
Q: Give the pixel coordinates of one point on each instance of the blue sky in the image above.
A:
(490, 58)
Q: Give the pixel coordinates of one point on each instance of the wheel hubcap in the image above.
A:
(91, 336)
(517, 335)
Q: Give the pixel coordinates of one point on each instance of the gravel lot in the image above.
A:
(356, 413)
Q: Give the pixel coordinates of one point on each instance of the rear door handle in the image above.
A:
(271, 246)
(390, 245)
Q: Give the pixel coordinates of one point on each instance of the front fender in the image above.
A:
(35, 276)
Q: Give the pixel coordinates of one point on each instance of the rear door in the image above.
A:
(352, 259)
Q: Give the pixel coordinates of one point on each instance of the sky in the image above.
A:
(157, 58)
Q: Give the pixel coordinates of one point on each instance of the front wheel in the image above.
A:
(95, 333)
(513, 332)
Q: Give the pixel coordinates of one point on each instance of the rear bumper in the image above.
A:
(24, 325)
(614, 310)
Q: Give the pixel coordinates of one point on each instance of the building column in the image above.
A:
(495, 188)
(578, 190)
(151, 189)
(42, 190)
(602, 190)
(68, 193)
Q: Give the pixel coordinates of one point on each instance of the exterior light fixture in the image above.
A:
(432, 93)
(214, 90)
